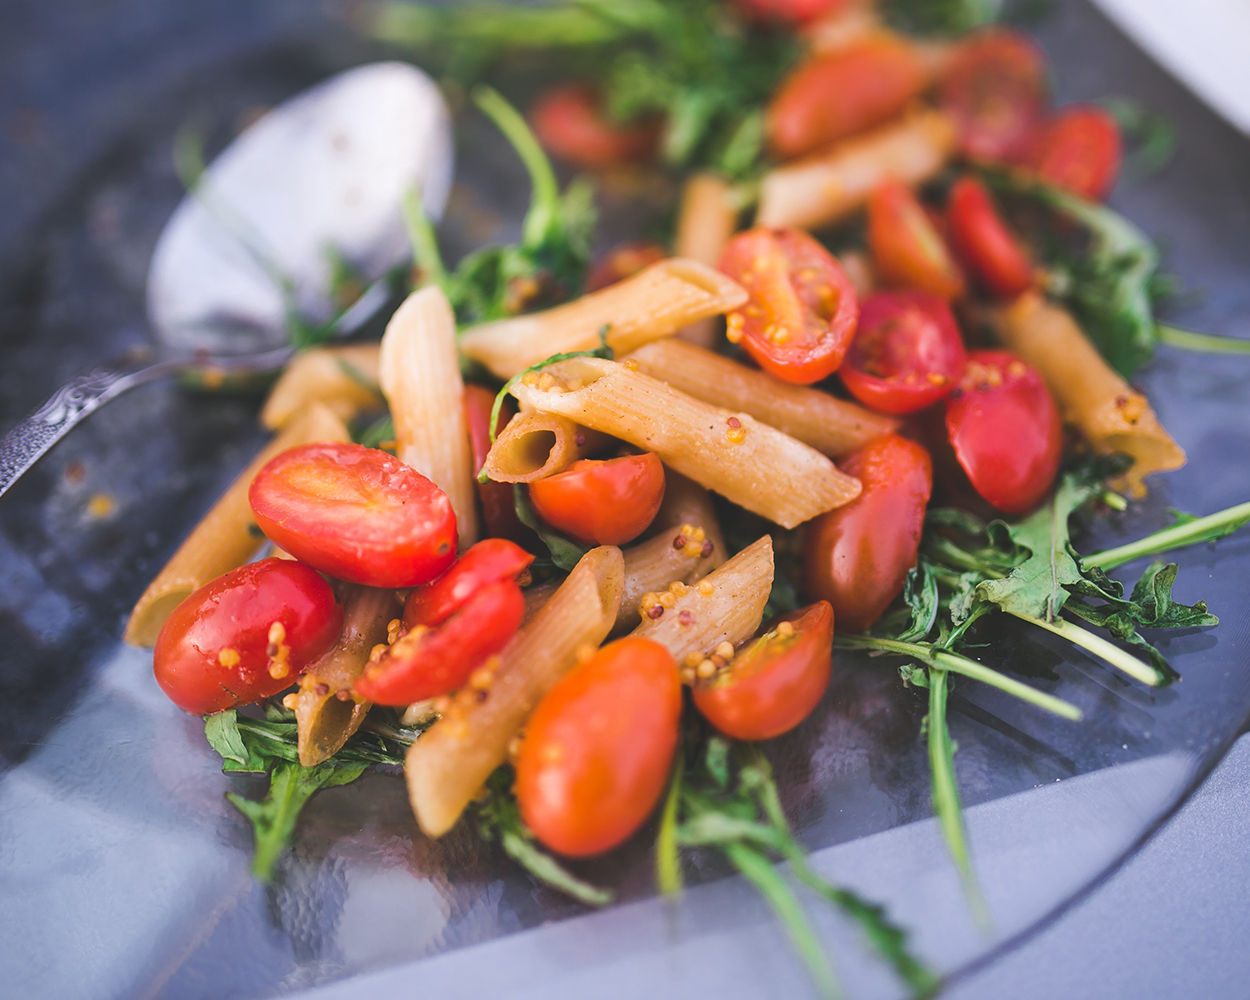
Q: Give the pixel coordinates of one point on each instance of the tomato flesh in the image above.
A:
(907, 249)
(984, 243)
(1005, 430)
(858, 556)
(802, 310)
(355, 513)
(622, 262)
(1080, 150)
(602, 502)
(489, 561)
(245, 636)
(772, 685)
(570, 122)
(598, 748)
(907, 353)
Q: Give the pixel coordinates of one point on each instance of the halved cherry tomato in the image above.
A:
(858, 556)
(498, 504)
(843, 92)
(622, 262)
(424, 662)
(245, 636)
(598, 748)
(771, 686)
(355, 513)
(995, 90)
(907, 249)
(569, 120)
(1005, 429)
(788, 11)
(602, 502)
(489, 561)
(802, 312)
(1080, 150)
(907, 353)
(983, 242)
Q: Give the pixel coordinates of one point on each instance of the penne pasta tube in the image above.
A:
(657, 301)
(750, 463)
(707, 219)
(537, 445)
(448, 765)
(419, 371)
(844, 25)
(830, 425)
(344, 379)
(826, 186)
(1091, 395)
(226, 536)
(325, 713)
(726, 606)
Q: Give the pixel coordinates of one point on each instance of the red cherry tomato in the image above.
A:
(995, 90)
(835, 95)
(489, 561)
(983, 241)
(355, 513)
(802, 310)
(858, 556)
(245, 636)
(1080, 150)
(425, 662)
(907, 249)
(1005, 429)
(789, 11)
(570, 122)
(598, 748)
(907, 353)
(498, 504)
(622, 262)
(602, 503)
(771, 686)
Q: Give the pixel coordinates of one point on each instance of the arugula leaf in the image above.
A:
(565, 554)
(1151, 136)
(1186, 530)
(940, 17)
(222, 732)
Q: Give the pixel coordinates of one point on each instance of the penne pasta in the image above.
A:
(826, 186)
(419, 371)
(830, 425)
(707, 219)
(750, 463)
(449, 764)
(1091, 395)
(657, 301)
(845, 24)
(537, 445)
(226, 537)
(344, 379)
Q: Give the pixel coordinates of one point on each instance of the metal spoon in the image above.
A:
(326, 171)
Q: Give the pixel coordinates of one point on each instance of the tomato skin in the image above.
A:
(489, 561)
(425, 663)
(838, 94)
(907, 353)
(1080, 150)
(1005, 429)
(569, 121)
(858, 555)
(599, 747)
(496, 499)
(995, 89)
(788, 11)
(773, 685)
(984, 243)
(355, 513)
(236, 612)
(907, 249)
(623, 261)
(802, 310)
(602, 502)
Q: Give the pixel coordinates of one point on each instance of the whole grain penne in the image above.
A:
(826, 186)
(657, 301)
(537, 445)
(226, 537)
(706, 220)
(831, 426)
(344, 378)
(1091, 395)
(419, 371)
(448, 765)
(750, 463)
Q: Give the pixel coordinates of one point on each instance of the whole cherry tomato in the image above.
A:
(771, 686)
(498, 503)
(907, 249)
(602, 502)
(858, 555)
(1005, 429)
(598, 748)
(245, 636)
(802, 310)
(489, 561)
(983, 242)
(425, 662)
(789, 11)
(1080, 150)
(907, 353)
(843, 92)
(355, 513)
(569, 120)
(995, 90)
(622, 262)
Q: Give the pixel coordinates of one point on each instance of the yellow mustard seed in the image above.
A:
(631, 364)
(290, 701)
(725, 649)
(277, 632)
(706, 669)
(688, 675)
(706, 589)
(785, 629)
(736, 434)
(228, 657)
(667, 600)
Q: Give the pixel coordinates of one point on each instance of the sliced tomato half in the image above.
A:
(908, 250)
(489, 561)
(1080, 150)
(983, 241)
